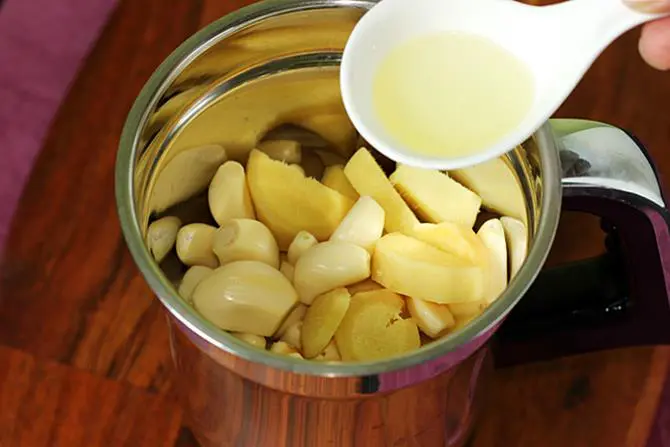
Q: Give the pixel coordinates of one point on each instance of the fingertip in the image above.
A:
(654, 44)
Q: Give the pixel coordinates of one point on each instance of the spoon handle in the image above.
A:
(607, 19)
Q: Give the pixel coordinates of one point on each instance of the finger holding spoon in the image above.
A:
(654, 42)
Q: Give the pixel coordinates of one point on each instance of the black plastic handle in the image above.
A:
(616, 300)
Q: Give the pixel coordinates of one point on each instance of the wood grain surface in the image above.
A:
(85, 358)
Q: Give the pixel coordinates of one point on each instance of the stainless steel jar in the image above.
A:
(276, 63)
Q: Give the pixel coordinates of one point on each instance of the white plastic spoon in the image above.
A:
(558, 43)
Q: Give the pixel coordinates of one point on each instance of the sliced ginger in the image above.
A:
(298, 168)
(372, 328)
(453, 238)
(435, 197)
(333, 177)
(497, 186)
(414, 268)
(288, 202)
(368, 179)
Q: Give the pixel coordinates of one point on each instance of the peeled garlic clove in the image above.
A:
(329, 265)
(363, 225)
(433, 319)
(245, 296)
(194, 245)
(300, 244)
(191, 279)
(281, 347)
(162, 235)
(492, 235)
(296, 315)
(516, 237)
(368, 179)
(254, 340)
(185, 175)
(363, 286)
(462, 322)
(322, 320)
(228, 194)
(245, 240)
(287, 270)
(293, 335)
(288, 151)
(461, 311)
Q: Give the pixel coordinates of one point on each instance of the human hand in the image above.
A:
(655, 39)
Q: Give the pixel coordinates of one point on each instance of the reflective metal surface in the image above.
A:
(275, 65)
(597, 155)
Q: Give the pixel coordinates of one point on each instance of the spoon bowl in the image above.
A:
(557, 44)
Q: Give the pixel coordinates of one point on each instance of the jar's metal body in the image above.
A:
(272, 63)
(224, 408)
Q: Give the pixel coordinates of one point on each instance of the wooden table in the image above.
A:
(84, 357)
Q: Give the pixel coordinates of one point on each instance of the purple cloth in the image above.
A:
(42, 45)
